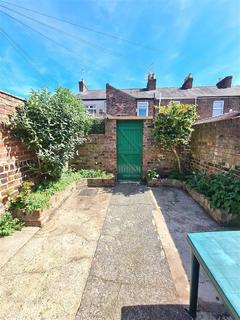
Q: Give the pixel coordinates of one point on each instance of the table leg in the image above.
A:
(194, 287)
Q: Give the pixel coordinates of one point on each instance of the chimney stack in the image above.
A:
(188, 81)
(82, 86)
(225, 83)
(152, 81)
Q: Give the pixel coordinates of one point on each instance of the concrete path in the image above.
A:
(10, 245)
(129, 277)
(181, 214)
(46, 278)
(102, 259)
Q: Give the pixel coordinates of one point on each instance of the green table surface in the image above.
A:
(218, 253)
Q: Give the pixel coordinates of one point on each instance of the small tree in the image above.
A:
(173, 127)
(52, 125)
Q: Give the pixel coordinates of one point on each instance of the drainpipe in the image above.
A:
(160, 99)
(196, 101)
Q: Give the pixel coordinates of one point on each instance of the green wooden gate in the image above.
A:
(129, 149)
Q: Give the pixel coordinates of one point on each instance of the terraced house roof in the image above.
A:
(166, 93)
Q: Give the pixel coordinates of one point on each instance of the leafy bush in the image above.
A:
(31, 198)
(152, 174)
(97, 126)
(178, 175)
(52, 125)
(94, 173)
(222, 190)
(173, 127)
(8, 224)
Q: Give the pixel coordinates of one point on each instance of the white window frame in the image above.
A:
(215, 108)
(142, 104)
(91, 109)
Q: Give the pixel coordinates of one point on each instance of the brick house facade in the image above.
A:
(204, 97)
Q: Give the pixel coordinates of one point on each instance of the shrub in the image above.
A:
(222, 190)
(179, 175)
(31, 198)
(8, 224)
(152, 174)
(94, 173)
(173, 127)
(97, 126)
(52, 125)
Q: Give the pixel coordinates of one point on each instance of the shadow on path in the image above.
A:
(155, 312)
(183, 215)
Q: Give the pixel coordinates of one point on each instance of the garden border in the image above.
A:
(220, 216)
(38, 218)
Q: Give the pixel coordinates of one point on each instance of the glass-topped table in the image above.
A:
(218, 253)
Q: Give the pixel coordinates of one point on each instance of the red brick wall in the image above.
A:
(215, 146)
(99, 152)
(205, 105)
(119, 103)
(153, 155)
(14, 158)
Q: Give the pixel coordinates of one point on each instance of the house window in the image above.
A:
(217, 108)
(142, 109)
(91, 109)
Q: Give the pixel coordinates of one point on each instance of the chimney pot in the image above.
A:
(82, 86)
(225, 83)
(188, 81)
(152, 81)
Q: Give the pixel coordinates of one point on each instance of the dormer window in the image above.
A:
(142, 109)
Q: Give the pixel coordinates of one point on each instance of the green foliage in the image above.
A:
(31, 198)
(94, 173)
(52, 125)
(222, 190)
(178, 175)
(173, 126)
(152, 174)
(97, 126)
(8, 224)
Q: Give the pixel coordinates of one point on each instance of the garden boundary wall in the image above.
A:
(215, 144)
(14, 158)
(100, 151)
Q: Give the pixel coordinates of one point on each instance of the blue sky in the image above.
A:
(174, 37)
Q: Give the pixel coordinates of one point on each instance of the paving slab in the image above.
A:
(182, 214)
(46, 278)
(10, 245)
(129, 267)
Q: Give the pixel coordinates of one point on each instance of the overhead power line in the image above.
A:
(51, 39)
(19, 49)
(106, 34)
(75, 37)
